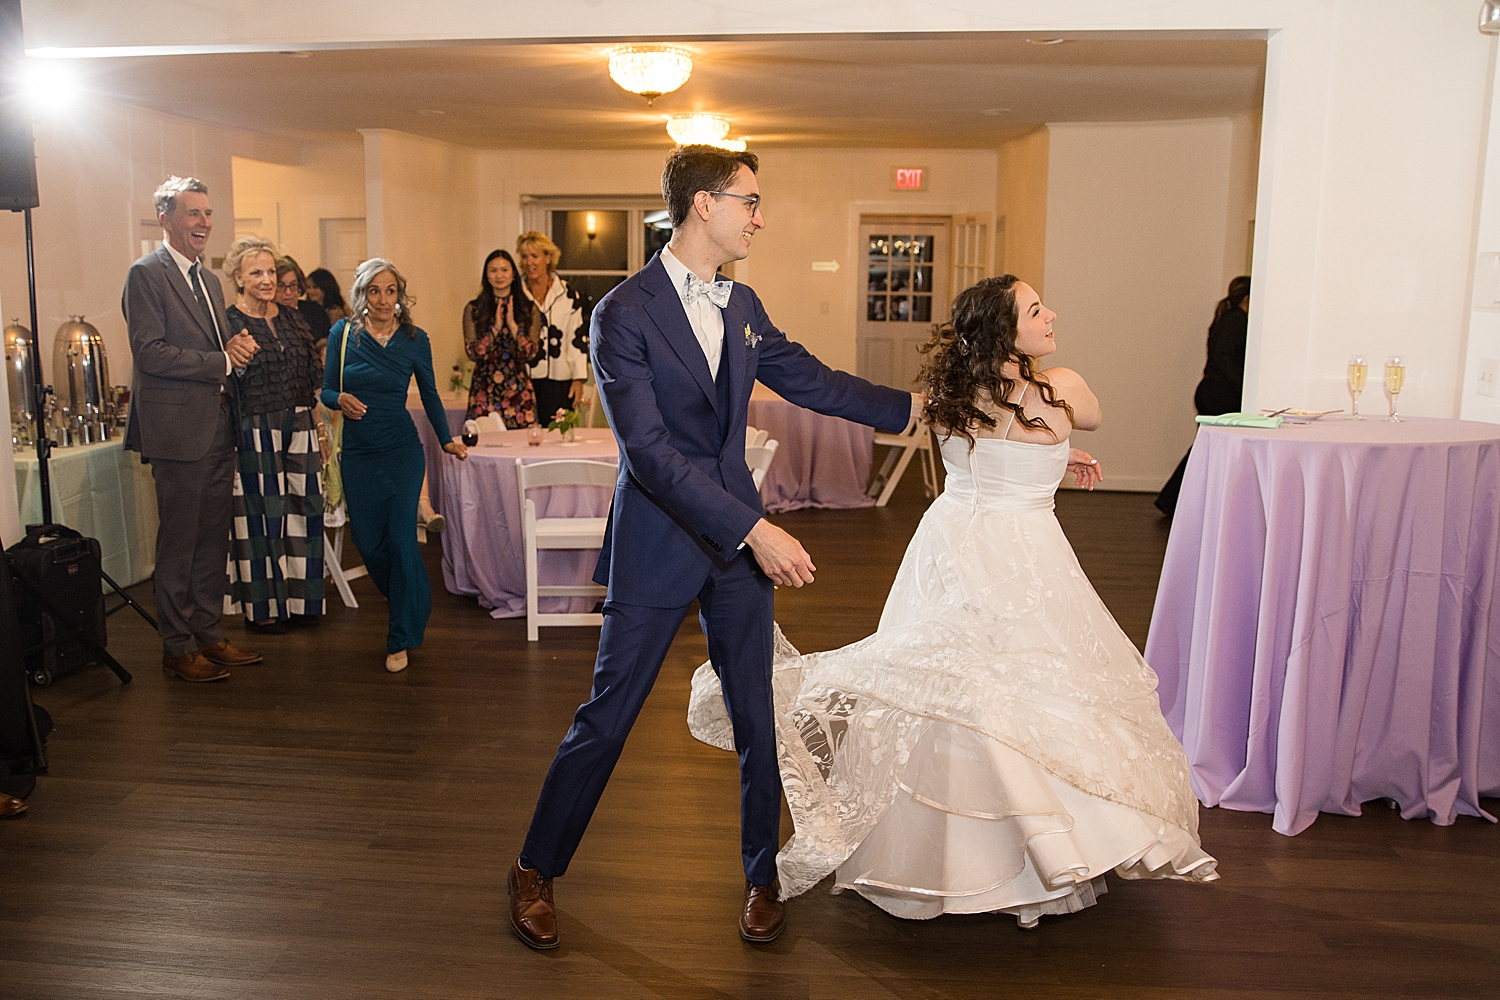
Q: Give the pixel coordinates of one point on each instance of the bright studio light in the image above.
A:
(49, 86)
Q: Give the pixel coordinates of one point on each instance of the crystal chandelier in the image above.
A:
(703, 129)
(650, 70)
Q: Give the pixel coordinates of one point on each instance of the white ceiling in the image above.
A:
(847, 91)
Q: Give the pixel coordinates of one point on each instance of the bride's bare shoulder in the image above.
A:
(1062, 379)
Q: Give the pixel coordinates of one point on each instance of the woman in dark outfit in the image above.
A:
(1223, 376)
(276, 556)
(372, 358)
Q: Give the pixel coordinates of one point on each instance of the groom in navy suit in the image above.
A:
(676, 350)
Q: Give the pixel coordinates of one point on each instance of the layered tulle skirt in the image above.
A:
(996, 745)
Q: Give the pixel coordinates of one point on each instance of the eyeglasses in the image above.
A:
(753, 200)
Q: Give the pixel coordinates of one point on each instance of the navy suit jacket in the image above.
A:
(685, 500)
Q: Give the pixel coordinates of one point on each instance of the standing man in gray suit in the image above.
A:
(184, 422)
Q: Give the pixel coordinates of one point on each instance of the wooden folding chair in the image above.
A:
(917, 437)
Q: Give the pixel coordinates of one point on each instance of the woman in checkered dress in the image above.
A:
(276, 556)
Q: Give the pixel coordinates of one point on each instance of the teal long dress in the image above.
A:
(382, 465)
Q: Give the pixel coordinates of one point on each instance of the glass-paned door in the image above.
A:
(904, 292)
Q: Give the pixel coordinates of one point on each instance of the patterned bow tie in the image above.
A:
(694, 288)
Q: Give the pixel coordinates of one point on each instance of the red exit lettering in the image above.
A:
(910, 178)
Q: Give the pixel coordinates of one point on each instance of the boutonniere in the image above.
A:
(751, 338)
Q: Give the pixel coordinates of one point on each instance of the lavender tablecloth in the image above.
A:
(483, 555)
(1327, 626)
(454, 406)
(820, 461)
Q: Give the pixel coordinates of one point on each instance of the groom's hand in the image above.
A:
(782, 557)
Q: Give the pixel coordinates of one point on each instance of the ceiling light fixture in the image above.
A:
(994, 111)
(431, 112)
(1046, 41)
(703, 129)
(650, 70)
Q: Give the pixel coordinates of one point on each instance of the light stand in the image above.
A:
(43, 442)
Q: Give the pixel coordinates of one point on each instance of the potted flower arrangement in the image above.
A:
(565, 421)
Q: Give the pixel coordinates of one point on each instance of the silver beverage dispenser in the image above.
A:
(80, 380)
(20, 386)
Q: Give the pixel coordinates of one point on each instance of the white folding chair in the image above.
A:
(917, 437)
(335, 524)
(758, 457)
(755, 437)
(559, 533)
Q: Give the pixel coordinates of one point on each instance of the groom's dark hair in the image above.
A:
(691, 169)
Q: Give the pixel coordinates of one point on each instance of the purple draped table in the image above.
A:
(455, 404)
(1326, 629)
(820, 461)
(483, 554)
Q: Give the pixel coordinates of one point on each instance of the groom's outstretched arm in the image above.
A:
(796, 376)
(623, 372)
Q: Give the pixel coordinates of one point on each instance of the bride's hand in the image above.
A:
(1085, 469)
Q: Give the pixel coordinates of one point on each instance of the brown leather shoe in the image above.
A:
(10, 806)
(764, 916)
(226, 655)
(193, 667)
(531, 914)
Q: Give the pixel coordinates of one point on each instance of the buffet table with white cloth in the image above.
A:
(102, 491)
(483, 553)
(1327, 626)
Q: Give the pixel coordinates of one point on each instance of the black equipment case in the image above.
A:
(64, 566)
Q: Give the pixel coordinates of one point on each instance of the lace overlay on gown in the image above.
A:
(997, 744)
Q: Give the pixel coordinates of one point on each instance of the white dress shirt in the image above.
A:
(706, 319)
(185, 265)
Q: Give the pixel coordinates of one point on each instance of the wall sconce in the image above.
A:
(1489, 17)
(591, 226)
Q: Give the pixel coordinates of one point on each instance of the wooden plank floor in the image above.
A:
(318, 828)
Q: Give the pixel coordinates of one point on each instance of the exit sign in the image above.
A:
(909, 178)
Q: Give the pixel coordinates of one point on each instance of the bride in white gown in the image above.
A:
(997, 744)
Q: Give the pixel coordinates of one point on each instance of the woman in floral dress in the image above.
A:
(502, 336)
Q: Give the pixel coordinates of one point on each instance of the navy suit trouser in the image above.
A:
(736, 612)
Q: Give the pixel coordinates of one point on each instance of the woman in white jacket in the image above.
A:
(559, 376)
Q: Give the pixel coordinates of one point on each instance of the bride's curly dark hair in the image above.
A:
(966, 362)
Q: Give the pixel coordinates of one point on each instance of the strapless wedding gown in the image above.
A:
(997, 744)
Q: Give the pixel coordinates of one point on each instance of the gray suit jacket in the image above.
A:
(179, 365)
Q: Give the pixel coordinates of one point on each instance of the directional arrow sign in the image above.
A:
(831, 266)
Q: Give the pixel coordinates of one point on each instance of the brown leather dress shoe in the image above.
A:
(11, 806)
(532, 916)
(764, 916)
(226, 655)
(193, 667)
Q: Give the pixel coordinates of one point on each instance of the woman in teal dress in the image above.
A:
(371, 359)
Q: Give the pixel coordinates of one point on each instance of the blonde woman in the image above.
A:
(558, 377)
(276, 556)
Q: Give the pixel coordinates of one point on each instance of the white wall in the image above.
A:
(1482, 352)
(326, 182)
(1136, 235)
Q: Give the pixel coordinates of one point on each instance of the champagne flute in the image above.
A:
(1395, 378)
(1359, 371)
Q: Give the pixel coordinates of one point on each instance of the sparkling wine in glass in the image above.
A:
(1359, 371)
(1395, 378)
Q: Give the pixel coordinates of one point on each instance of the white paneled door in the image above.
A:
(904, 291)
(341, 246)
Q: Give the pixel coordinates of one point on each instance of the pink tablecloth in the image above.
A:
(1327, 627)
(820, 461)
(483, 555)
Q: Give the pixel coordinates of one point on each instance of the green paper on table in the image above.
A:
(1240, 420)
